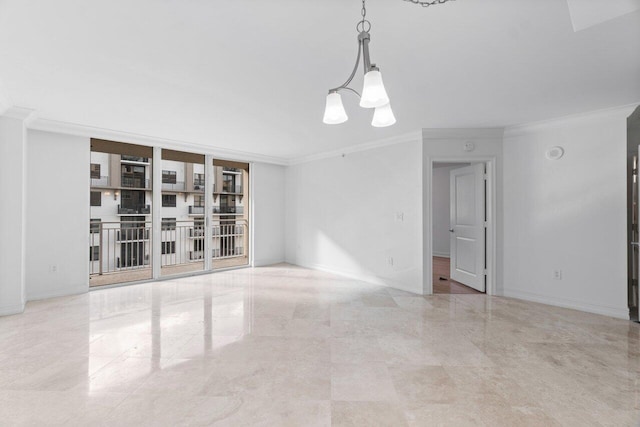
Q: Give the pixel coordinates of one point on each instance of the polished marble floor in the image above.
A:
(288, 346)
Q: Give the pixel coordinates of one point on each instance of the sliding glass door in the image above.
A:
(203, 221)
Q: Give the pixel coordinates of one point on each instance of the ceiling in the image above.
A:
(253, 75)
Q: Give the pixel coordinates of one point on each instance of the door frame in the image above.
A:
(491, 207)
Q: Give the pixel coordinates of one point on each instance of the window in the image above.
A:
(94, 253)
(198, 179)
(95, 170)
(168, 223)
(96, 198)
(227, 183)
(94, 225)
(134, 177)
(198, 201)
(168, 177)
(198, 245)
(168, 248)
(169, 200)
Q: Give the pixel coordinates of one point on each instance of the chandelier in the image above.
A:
(374, 95)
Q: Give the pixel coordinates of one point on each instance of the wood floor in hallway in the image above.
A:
(441, 271)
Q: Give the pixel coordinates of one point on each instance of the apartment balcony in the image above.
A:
(232, 189)
(196, 232)
(196, 210)
(103, 181)
(228, 210)
(134, 210)
(173, 186)
(198, 186)
(196, 255)
(134, 159)
(129, 182)
(132, 234)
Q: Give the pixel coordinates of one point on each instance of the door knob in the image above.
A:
(451, 230)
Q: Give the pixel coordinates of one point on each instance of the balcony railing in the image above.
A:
(134, 210)
(137, 159)
(196, 232)
(128, 245)
(119, 247)
(196, 210)
(174, 186)
(130, 182)
(130, 234)
(222, 253)
(234, 210)
(103, 181)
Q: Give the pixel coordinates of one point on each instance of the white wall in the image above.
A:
(350, 214)
(269, 213)
(12, 177)
(448, 145)
(57, 195)
(567, 214)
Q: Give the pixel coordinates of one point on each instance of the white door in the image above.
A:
(467, 225)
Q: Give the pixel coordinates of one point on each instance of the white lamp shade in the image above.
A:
(334, 112)
(373, 92)
(383, 117)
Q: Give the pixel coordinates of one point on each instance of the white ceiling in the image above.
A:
(252, 75)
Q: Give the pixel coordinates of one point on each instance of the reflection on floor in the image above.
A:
(145, 273)
(440, 271)
(289, 346)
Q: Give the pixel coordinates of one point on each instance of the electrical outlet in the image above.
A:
(557, 274)
(400, 216)
(53, 268)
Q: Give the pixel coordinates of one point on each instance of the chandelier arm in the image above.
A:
(350, 89)
(353, 73)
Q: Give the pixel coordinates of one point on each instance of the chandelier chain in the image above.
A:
(427, 3)
(363, 24)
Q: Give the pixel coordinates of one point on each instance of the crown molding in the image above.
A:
(114, 135)
(621, 112)
(385, 142)
(475, 134)
(20, 113)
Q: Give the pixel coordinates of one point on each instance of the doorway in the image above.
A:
(633, 229)
(461, 243)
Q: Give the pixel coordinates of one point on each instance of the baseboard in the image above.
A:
(368, 278)
(8, 310)
(58, 293)
(441, 255)
(620, 313)
(267, 262)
